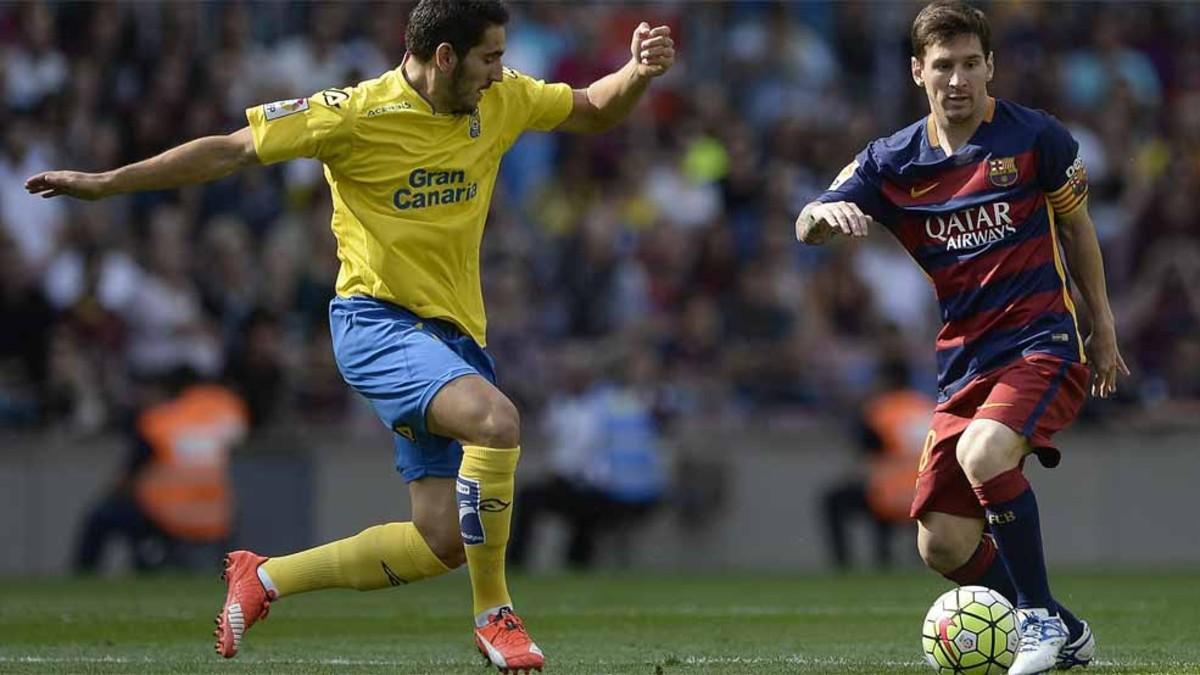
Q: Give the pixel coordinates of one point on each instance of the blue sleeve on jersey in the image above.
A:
(1056, 153)
(860, 183)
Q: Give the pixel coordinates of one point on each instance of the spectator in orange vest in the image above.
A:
(175, 489)
(892, 428)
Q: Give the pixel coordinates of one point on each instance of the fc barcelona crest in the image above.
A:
(475, 127)
(1002, 172)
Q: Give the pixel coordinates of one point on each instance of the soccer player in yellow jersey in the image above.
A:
(411, 158)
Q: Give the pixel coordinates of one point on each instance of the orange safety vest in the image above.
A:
(184, 488)
(901, 420)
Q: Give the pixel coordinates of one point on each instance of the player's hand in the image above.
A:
(844, 217)
(71, 183)
(653, 49)
(1106, 361)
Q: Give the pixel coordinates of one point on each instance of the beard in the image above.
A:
(464, 94)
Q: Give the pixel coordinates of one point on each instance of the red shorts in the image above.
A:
(1036, 396)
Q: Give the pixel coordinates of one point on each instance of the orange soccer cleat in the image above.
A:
(246, 601)
(506, 644)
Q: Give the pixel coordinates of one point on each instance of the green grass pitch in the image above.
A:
(616, 623)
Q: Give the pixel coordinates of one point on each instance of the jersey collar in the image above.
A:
(931, 133)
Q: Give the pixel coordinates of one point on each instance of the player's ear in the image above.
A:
(444, 57)
(991, 67)
(916, 72)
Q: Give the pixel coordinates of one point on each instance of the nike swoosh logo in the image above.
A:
(995, 405)
(914, 192)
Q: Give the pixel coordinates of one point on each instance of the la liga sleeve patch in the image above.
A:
(273, 111)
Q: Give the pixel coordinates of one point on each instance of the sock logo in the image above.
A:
(469, 522)
(493, 505)
(1004, 518)
(393, 578)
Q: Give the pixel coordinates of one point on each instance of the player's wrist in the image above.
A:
(107, 183)
(638, 77)
(1103, 322)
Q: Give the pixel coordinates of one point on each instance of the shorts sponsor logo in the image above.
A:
(273, 111)
(405, 431)
(469, 523)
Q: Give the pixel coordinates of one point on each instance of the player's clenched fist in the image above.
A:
(72, 183)
(653, 49)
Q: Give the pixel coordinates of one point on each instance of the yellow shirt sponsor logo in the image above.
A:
(430, 187)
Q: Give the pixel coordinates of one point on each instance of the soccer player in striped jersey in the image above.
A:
(987, 196)
(411, 158)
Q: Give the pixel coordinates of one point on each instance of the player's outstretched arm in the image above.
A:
(609, 100)
(198, 161)
(1086, 266)
(819, 221)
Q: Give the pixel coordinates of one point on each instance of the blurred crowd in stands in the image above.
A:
(670, 237)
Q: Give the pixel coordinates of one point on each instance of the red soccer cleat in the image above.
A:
(246, 601)
(506, 644)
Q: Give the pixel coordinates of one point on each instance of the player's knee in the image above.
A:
(986, 451)
(500, 424)
(942, 554)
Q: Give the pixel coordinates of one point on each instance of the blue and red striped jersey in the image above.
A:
(981, 224)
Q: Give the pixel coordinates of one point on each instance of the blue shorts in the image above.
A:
(399, 361)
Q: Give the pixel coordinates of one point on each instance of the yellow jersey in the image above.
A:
(411, 188)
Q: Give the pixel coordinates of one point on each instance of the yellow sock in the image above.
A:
(384, 555)
(485, 487)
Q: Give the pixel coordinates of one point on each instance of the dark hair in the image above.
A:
(459, 22)
(944, 20)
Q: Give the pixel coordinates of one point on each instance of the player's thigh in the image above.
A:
(946, 541)
(394, 359)
(399, 362)
(988, 448)
(476, 412)
(942, 486)
(1037, 397)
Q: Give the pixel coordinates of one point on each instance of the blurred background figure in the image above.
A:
(607, 467)
(25, 341)
(891, 430)
(173, 504)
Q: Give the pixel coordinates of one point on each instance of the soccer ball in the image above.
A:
(970, 630)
